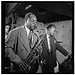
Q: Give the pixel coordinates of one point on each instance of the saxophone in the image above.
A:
(27, 64)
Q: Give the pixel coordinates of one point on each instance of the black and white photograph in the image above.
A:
(37, 37)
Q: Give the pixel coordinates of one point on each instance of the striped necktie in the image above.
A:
(30, 38)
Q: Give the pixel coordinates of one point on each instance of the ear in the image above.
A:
(28, 20)
(49, 29)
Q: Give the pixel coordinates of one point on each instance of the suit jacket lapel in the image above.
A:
(52, 43)
(53, 47)
(24, 39)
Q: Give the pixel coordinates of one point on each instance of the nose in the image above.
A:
(34, 23)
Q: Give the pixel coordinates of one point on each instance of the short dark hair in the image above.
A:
(50, 26)
(29, 15)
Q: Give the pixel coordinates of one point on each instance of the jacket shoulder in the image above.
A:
(16, 29)
(53, 38)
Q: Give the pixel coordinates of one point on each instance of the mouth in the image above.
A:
(34, 24)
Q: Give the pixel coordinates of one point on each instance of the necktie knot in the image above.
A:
(30, 35)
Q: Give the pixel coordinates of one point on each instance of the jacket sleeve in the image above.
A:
(61, 49)
(9, 51)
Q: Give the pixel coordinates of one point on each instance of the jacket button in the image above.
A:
(22, 50)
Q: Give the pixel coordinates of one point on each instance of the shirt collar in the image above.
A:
(27, 30)
(48, 35)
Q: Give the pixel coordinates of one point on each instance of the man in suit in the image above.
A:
(17, 44)
(49, 46)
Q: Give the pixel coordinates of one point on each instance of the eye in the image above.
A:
(33, 21)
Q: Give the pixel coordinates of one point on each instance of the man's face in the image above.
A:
(52, 31)
(7, 28)
(32, 23)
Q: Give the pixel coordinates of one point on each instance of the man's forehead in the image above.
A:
(53, 28)
(33, 17)
(7, 26)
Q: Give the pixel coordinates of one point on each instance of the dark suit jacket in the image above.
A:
(17, 45)
(50, 57)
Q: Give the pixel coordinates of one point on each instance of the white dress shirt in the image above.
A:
(48, 40)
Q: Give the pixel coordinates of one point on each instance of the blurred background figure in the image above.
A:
(7, 29)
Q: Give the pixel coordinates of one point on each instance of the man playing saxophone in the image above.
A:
(20, 42)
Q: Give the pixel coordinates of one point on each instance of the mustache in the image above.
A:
(35, 27)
